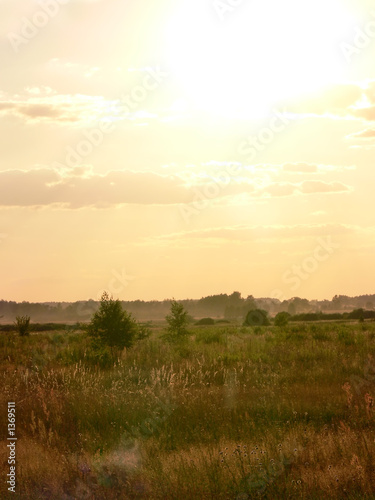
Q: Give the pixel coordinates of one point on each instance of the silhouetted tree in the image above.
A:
(257, 317)
(111, 325)
(22, 324)
(282, 318)
(177, 320)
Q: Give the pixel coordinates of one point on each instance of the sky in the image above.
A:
(186, 148)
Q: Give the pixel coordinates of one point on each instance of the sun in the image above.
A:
(262, 52)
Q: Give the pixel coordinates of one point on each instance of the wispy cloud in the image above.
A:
(41, 104)
(243, 233)
(80, 187)
(349, 100)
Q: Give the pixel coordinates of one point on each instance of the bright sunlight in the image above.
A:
(243, 64)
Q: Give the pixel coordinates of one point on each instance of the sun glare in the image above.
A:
(262, 52)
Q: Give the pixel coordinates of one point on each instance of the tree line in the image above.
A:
(225, 306)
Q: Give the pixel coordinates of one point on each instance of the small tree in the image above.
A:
(112, 326)
(177, 320)
(22, 324)
(257, 317)
(282, 318)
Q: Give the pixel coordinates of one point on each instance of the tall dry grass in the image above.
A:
(226, 413)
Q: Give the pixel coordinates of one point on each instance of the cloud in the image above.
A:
(208, 171)
(38, 111)
(81, 187)
(312, 168)
(340, 100)
(370, 92)
(335, 99)
(300, 168)
(276, 189)
(364, 134)
(41, 104)
(243, 233)
(367, 113)
(311, 187)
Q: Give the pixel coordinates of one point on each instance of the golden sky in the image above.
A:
(186, 148)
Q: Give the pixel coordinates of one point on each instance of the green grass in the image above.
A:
(230, 412)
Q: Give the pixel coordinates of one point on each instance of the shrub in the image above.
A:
(282, 318)
(205, 321)
(22, 324)
(112, 326)
(257, 317)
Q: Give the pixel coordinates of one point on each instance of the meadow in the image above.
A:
(229, 412)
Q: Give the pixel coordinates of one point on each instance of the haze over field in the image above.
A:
(182, 148)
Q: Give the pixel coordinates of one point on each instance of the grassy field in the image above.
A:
(229, 413)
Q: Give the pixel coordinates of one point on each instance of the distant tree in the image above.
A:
(112, 326)
(257, 317)
(205, 321)
(292, 309)
(340, 302)
(235, 297)
(282, 318)
(357, 314)
(22, 324)
(177, 320)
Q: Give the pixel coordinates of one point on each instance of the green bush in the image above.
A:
(22, 324)
(205, 321)
(112, 326)
(282, 318)
(257, 317)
